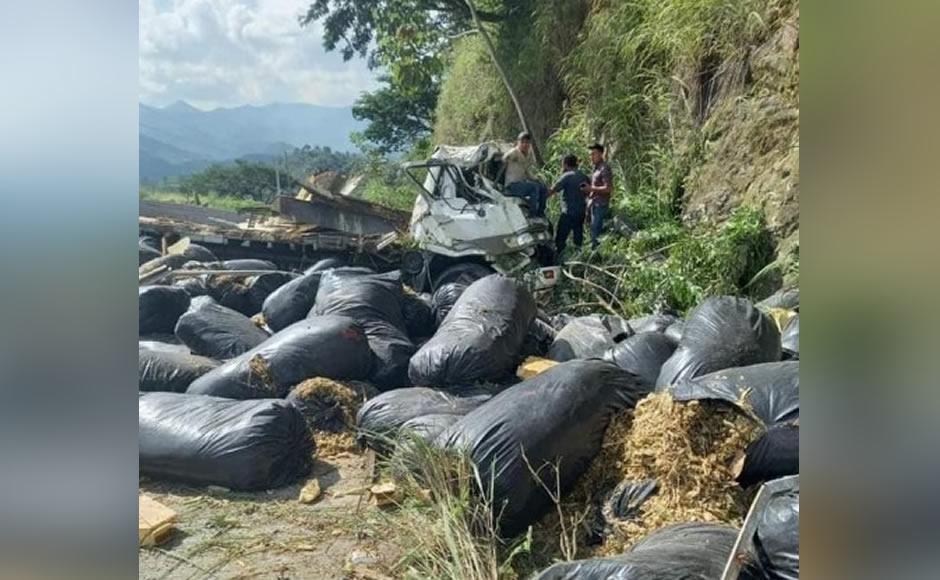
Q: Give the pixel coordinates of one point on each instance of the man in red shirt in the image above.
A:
(598, 192)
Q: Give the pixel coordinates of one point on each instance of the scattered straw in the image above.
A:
(259, 320)
(690, 450)
(260, 373)
(333, 444)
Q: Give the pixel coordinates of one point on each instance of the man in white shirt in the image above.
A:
(521, 180)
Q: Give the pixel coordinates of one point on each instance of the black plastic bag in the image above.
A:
(332, 347)
(557, 418)
(428, 427)
(790, 339)
(212, 330)
(776, 453)
(169, 369)
(444, 299)
(291, 302)
(374, 301)
(685, 551)
(159, 307)
(245, 294)
(588, 337)
(538, 338)
(720, 333)
(480, 339)
(652, 323)
(642, 354)
(380, 418)
(778, 537)
(241, 445)
(786, 299)
(262, 285)
(419, 318)
(772, 389)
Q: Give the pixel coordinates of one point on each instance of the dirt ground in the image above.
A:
(224, 534)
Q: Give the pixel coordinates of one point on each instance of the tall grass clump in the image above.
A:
(446, 518)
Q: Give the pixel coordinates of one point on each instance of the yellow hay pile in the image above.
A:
(330, 408)
(329, 401)
(690, 449)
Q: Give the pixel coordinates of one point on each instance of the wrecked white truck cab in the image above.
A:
(466, 228)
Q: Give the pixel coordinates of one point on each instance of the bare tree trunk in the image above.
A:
(502, 74)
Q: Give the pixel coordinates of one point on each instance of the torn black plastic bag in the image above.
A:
(444, 299)
(720, 333)
(770, 391)
(790, 339)
(380, 418)
(775, 454)
(556, 418)
(480, 339)
(212, 330)
(652, 323)
(165, 369)
(685, 551)
(159, 307)
(374, 301)
(588, 337)
(778, 537)
(241, 445)
(332, 347)
(642, 354)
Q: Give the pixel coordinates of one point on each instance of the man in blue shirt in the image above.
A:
(570, 185)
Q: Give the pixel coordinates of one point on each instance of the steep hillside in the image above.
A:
(697, 100)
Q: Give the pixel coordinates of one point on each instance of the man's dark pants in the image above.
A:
(598, 214)
(532, 191)
(569, 223)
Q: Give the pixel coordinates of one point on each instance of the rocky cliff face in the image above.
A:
(751, 142)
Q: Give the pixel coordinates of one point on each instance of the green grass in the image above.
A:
(205, 200)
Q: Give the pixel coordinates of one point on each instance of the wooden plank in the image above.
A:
(154, 521)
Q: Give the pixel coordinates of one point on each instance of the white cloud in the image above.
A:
(231, 52)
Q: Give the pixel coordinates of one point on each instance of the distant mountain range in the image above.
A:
(180, 139)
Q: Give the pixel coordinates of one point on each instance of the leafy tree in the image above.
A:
(406, 38)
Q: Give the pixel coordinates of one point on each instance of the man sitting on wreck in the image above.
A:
(521, 181)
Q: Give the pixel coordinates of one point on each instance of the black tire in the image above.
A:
(464, 273)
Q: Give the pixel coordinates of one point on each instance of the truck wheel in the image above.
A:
(465, 273)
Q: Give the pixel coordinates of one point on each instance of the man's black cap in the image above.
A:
(597, 146)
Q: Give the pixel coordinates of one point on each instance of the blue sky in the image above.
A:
(214, 53)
